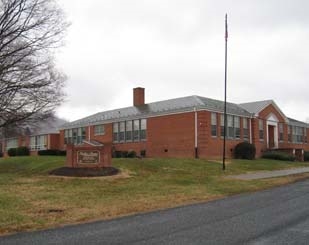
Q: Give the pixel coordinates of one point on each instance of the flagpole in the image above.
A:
(225, 79)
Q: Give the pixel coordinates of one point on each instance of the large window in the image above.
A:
(38, 142)
(99, 129)
(230, 127)
(143, 129)
(129, 136)
(213, 124)
(237, 127)
(128, 131)
(261, 129)
(115, 132)
(74, 135)
(136, 130)
(222, 125)
(245, 128)
(280, 131)
(11, 143)
(122, 131)
(297, 134)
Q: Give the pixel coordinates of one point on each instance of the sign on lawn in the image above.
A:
(88, 157)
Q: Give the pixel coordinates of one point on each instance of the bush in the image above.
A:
(143, 153)
(51, 152)
(1, 154)
(116, 154)
(131, 154)
(245, 150)
(306, 156)
(22, 151)
(19, 151)
(124, 154)
(277, 155)
(12, 152)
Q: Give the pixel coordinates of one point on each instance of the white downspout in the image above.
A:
(89, 132)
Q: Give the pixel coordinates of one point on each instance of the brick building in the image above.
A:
(42, 136)
(188, 127)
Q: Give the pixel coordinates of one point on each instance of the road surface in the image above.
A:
(275, 216)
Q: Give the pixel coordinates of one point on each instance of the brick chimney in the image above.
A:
(138, 96)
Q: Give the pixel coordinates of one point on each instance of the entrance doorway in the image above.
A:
(271, 136)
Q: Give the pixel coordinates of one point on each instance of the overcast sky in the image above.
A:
(175, 48)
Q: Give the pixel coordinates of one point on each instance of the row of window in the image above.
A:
(130, 131)
(74, 135)
(38, 142)
(11, 143)
(232, 126)
(297, 134)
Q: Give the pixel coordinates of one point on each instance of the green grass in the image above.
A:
(29, 196)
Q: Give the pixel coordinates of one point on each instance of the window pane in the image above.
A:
(213, 124)
(143, 129)
(115, 132)
(280, 132)
(230, 128)
(237, 127)
(245, 128)
(136, 130)
(129, 131)
(261, 129)
(222, 125)
(121, 131)
(245, 122)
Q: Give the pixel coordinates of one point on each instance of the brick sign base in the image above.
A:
(88, 156)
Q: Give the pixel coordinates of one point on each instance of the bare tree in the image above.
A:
(30, 85)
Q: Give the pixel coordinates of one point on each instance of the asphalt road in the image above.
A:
(276, 216)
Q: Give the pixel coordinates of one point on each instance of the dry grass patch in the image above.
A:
(30, 199)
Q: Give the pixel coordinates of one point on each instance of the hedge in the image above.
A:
(244, 150)
(51, 152)
(277, 155)
(19, 151)
(306, 156)
(124, 154)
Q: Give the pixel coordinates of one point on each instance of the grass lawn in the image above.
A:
(31, 199)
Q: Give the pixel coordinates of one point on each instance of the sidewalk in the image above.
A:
(270, 174)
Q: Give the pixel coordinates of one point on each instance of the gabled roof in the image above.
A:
(178, 105)
(257, 106)
(294, 122)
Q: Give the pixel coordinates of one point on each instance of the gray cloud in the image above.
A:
(176, 48)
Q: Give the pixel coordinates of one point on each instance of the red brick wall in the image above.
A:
(54, 141)
(106, 138)
(171, 136)
(62, 146)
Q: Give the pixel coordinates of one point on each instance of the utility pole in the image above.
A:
(225, 80)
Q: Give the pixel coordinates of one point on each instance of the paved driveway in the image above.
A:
(270, 174)
(275, 216)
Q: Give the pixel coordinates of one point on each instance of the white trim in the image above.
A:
(272, 120)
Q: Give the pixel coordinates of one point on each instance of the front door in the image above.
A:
(271, 136)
